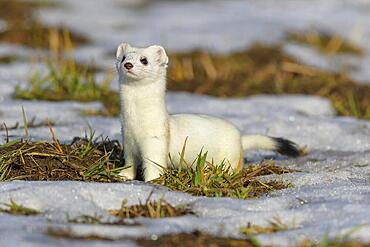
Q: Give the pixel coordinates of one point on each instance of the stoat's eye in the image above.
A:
(144, 61)
(123, 59)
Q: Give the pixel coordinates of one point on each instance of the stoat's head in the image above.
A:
(141, 64)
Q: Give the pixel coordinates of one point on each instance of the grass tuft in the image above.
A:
(274, 225)
(25, 29)
(325, 42)
(33, 123)
(85, 159)
(151, 209)
(265, 70)
(206, 179)
(98, 220)
(60, 233)
(8, 59)
(192, 239)
(18, 209)
(67, 80)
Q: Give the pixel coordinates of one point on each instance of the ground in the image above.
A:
(329, 195)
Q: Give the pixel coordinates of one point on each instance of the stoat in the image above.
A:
(151, 135)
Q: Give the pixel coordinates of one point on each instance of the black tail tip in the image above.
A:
(286, 147)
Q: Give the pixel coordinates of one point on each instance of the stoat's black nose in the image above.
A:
(128, 65)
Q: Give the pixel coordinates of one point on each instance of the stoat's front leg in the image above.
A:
(130, 168)
(154, 154)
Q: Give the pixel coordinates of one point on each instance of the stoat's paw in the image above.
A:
(149, 176)
(127, 174)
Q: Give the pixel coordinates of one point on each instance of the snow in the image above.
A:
(331, 194)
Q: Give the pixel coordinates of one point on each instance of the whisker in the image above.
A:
(168, 78)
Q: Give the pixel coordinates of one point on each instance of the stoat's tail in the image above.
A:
(280, 145)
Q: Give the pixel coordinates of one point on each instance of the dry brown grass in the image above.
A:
(151, 209)
(83, 160)
(25, 29)
(7, 59)
(61, 233)
(265, 70)
(325, 42)
(274, 225)
(194, 239)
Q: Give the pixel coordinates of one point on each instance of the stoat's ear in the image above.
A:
(160, 55)
(121, 49)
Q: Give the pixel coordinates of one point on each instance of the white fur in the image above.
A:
(258, 142)
(150, 134)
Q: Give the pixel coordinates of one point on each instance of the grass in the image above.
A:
(336, 242)
(88, 159)
(325, 42)
(18, 209)
(25, 29)
(98, 220)
(206, 179)
(151, 209)
(60, 233)
(33, 123)
(85, 159)
(274, 225)
(257, 70)
(193, 239)
(265, 70)
(67, 80)
(7, 59)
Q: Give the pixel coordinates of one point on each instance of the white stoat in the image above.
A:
(151, 135)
